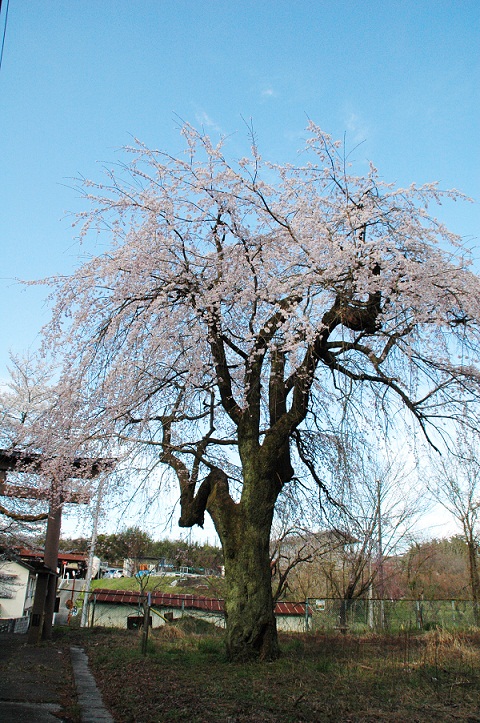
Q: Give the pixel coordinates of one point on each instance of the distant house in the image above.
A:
(70, 564)
(117, 608)
(17, 589)
(333, 542)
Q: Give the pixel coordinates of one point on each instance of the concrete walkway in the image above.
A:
(89, 697)
(36, 684)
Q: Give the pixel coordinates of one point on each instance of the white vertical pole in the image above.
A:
(91, 554)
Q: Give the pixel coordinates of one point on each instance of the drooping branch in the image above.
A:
(358, 316)
(312, 468)
(303, 555)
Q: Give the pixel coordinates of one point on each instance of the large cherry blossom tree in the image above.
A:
(238, 304)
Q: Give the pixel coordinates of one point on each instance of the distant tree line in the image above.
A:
(134, 543)
(435, 569)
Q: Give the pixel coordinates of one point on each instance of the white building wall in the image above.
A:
(115, 616)
(22, 589)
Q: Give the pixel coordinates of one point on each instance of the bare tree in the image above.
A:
(455, 484)
(239, 301)
(294, 547)
(370, 502)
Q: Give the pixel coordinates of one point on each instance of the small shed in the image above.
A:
(114, 608)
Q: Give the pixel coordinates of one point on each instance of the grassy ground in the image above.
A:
(343, 679)
(205, 586)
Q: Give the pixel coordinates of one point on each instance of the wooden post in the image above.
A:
(52, 541)
(37, 617)
(146, 619)
(46, 587)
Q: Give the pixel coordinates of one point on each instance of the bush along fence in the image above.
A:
(362, 615)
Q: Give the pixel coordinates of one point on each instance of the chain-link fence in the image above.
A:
(125, 609)
(362, 615)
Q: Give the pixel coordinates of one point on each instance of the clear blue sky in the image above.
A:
(81, 77)
(78, 79)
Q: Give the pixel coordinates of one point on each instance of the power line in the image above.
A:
(4, 29)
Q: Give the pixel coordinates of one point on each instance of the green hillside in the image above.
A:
(191, 585)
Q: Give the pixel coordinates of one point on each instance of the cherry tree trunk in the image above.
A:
(474, 579)
(244, 530)
(251, 626)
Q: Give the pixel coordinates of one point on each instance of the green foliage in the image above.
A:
(130, 543)
(136, 544)
(73, 544)
(181, 553)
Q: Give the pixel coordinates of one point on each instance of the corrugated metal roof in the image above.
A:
(291, 608)
(166, 599)
(65, 556)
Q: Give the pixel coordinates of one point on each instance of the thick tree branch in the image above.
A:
(223, 377)
(20, 517)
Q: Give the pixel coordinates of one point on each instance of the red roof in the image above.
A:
(291, 608)
(166, 599)
(24, 553)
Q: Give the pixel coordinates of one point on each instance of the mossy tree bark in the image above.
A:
(251, 625)
(244, 529)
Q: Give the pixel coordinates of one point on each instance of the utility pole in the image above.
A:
(91, 554)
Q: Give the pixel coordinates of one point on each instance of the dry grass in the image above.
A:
(339, 678)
